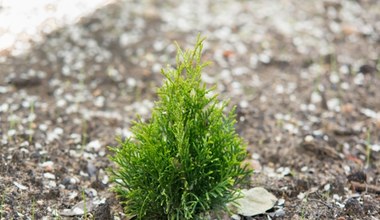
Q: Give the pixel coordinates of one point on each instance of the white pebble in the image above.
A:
(156, 68)
(24, 144)
(38, 145)
(240, 71)
(53, 135)
(291, 128)
(264, 58)
(315, 97)
(283, 170)
(375, 147)
(20, 186)
(359, 79)
(311, 107)
(301, 196)
(263, 98)
(281, 202)
(344, 86)
(327, 187)
(105, 179)
(83, 174)
(255, 156)
(280, 89)
(52, 184)
(344, 69)
(131, 82)
(32, 117)
(47, 164)
(347, 169)
(304, 169)
(61, 103)
(309, 138)
(102, 153)
(334, 78)
(74, 153)
(336, 197)
(99, 101)
(49, 176)
(244, 104)
(74, 181)
(4, 107)
(158, 45)
(208, 79)
(124, 132)
(11, 132)
(235, 217)
(94, 145)
(370, 113)
(3, 89)
(278, 138)
(333, 104)
(236, 85)
(13, 118)
(91, 192)
(77, 138)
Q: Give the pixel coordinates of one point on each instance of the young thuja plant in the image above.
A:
(187, 159)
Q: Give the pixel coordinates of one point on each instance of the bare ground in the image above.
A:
(304, 78)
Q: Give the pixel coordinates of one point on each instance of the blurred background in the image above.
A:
(22, 21)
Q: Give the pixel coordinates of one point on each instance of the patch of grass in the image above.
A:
(368, 149)
(84, 135)
(13, 123)
(84, 203)
(86, 214)
(303, 207)
(186, 161)
(2, 205)
(33, 208)
(55, 214)
(31, 122)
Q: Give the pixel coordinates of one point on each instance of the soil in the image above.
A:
(305, 79)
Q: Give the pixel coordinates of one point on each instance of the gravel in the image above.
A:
(304, 78)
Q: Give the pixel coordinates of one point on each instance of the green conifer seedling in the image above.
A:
(187, 159)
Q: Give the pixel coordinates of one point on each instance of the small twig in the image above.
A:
(365, 187)
(320, 201)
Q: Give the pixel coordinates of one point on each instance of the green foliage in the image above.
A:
(186, 160)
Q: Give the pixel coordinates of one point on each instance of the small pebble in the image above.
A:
(48, 165)
(281, 202)
(301, 196)
(327, 187)
(49, 176)
(11, 132)
(20, 186)
(91, 192)
(315, 97)
(279, 213)
(105, 179)
(52, 184)
(334, 78)
(375, 147)
(309, 138)
(243, 104)
(94, 145)
(304, 169)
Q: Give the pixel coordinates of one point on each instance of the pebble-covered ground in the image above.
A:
(303, 74)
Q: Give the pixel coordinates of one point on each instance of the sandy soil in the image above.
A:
(304, 78)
